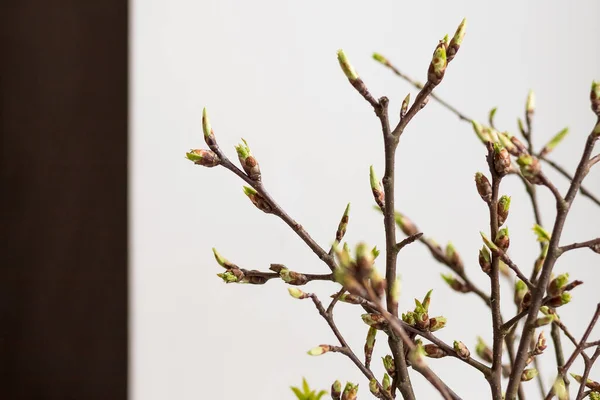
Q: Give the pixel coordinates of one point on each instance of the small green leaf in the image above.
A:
(542, 235)
(555, 141)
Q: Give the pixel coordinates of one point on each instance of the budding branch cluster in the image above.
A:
(517, 343)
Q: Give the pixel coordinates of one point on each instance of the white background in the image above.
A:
(267, 71)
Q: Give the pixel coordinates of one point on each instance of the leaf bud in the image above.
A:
(461, 350)
(438, 64)
(503, 208)
(457, 40)
(319, 350)
(249, 163)
(260, 202)
(502, 239)
(377, 190)
(206, 158)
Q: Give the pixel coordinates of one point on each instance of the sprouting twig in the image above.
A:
(464, 117)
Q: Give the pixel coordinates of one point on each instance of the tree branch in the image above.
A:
(552, 256)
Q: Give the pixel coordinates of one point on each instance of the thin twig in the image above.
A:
(345, 349)
(567, 175)
(405, 242)
(593, 244)
(504, 257)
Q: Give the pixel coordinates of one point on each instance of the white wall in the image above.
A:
(267, 71)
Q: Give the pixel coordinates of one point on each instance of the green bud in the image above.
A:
(560, 390)
(540, 345)
(378, 192)
(437, 68)
(379, 58)
(350, 391)
(257, 200)
(343, 225)
(319, 350)
(405, 224)
(409, 318)
(595, 386)
(483, 351)
(374, 387)
(565, 298)
(484, 188)
(502, 161)
(595, 99)
(485, 259)
(364, 260)
(404, 107)
(437, 323)
(292, 277)
(502, 239)
(377, 321)
(417, 356)
(594, 395)
(555, 141)
(222, 261)
(396, 289)
(434, 351)
(229, 276)
(530, 168)
(482, 133)
(503, 208)
(389, 364)
(346, 66)
(336, 390)
(520, 291)
(297, 293)
(455, 284)
(453, 258)
(371, 335)
(461, 350)
(529, 374)
(427, 300)
(557, 284)
(249, 163)
(542, 234)
(530, 104)
(370, 345)
(504, 139)
(521, 126)
(343, 256)
(375, 252)
(206, 158)
(209, 136)
(545, 320)
(490, 245)
(457, 40)
(387, 382)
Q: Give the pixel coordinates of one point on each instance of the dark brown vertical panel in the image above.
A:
(63, 169)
